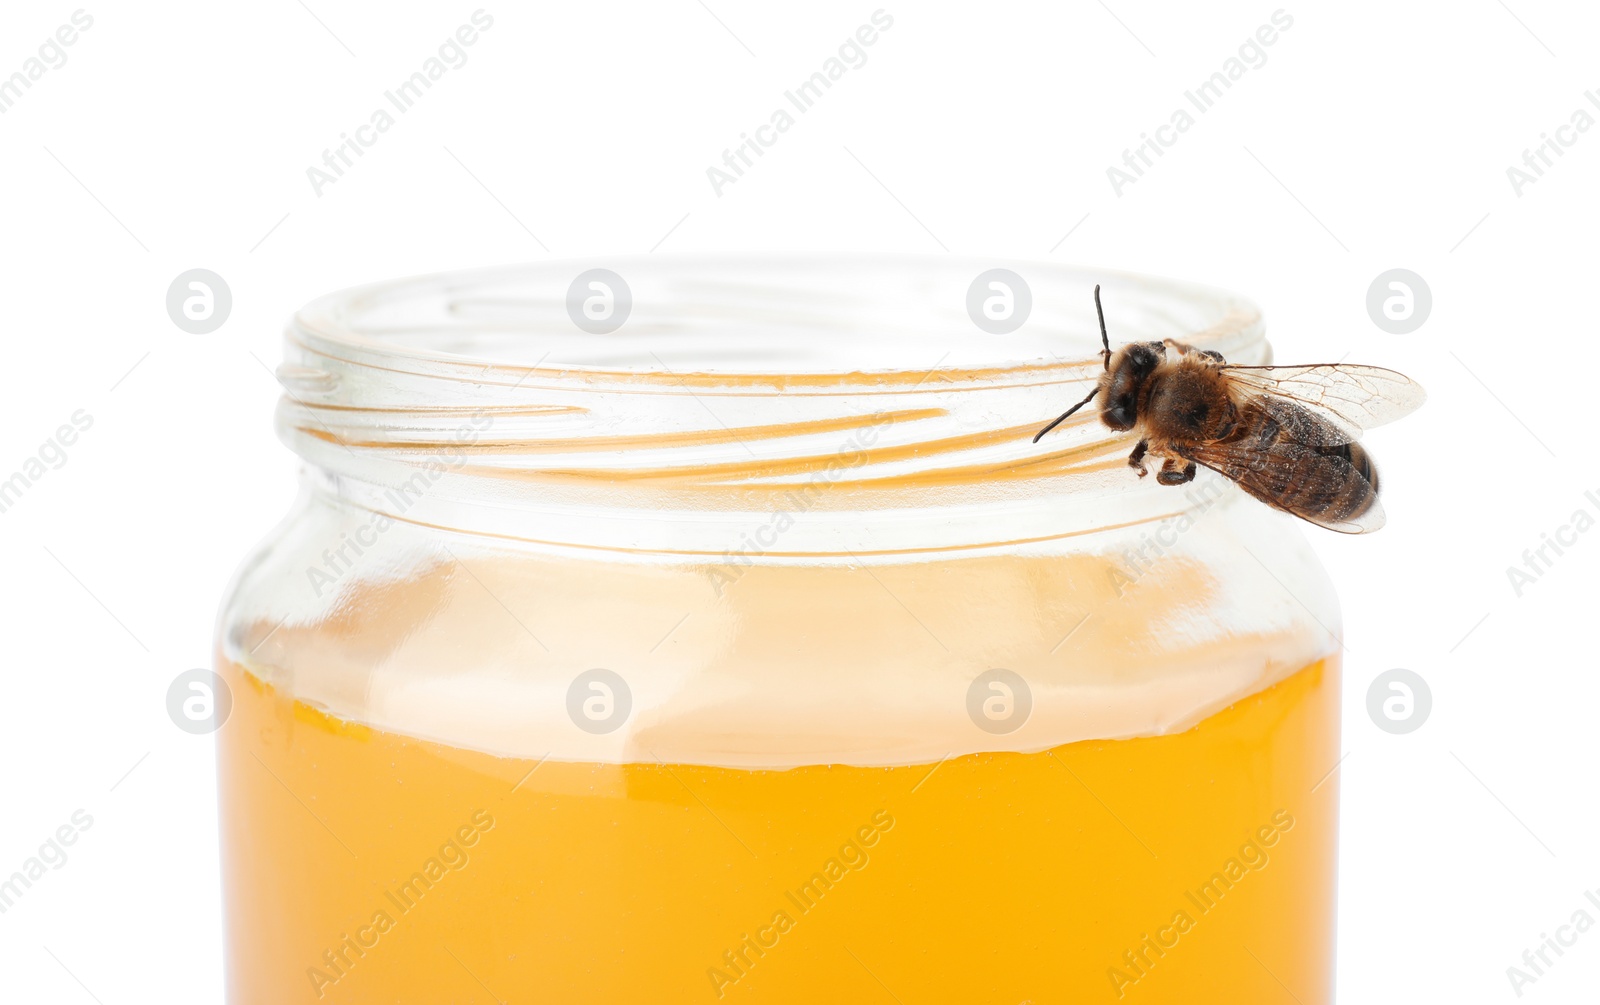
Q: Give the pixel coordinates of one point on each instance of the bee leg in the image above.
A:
(1136, 459)
(1172, 474)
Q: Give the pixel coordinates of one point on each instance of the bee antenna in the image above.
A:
(1063, 416)
(1105, 340)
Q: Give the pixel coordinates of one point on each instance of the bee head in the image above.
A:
(1129, 369)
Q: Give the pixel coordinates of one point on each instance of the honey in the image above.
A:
(1198, 867)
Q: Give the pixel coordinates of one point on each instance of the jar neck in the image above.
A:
(695, 457)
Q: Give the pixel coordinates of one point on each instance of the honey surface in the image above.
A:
(363, 866)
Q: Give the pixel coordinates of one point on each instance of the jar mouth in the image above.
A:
(702, 322)
(735, 388)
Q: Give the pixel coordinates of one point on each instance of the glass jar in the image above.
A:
(693, 629)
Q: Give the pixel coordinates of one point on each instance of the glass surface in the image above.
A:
(734, 655)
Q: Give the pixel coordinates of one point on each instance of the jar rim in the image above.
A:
(358, 323)
(423, 375)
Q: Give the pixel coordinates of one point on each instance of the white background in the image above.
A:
(1375, 136)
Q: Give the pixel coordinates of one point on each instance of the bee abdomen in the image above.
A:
(1349, 482)
(1300, 465)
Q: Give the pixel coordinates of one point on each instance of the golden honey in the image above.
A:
(1198, 867)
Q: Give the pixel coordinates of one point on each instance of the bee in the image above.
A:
(1285, 434)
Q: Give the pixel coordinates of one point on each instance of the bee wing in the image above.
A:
(1300, 463)
(1351, 396)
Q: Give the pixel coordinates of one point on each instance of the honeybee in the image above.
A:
(1285, 434)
